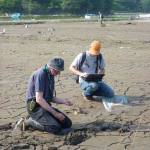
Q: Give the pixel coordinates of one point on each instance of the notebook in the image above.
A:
(93, 77)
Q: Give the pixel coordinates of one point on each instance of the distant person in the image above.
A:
(101, 17)
(40, 94)
(87, 64)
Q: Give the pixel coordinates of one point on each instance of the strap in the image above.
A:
(82, 60)
(47, 71)
(98, 59)
(96, 69)
(49, 78)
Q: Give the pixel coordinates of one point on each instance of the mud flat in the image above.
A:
(127, 53)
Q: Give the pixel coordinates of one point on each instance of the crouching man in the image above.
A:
(91, 62)
(39, 96)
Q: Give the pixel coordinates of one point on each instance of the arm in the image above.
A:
(77, 72)
(62, 101)
(73, 67)
(42, 102)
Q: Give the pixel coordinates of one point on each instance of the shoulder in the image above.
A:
(40, 72)
(102, 61)
(101, 56)
(79, 56)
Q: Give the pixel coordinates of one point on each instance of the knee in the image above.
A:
(67, 123)
(94, 86)
(110, 93)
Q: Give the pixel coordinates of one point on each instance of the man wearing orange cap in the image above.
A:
(91, 64)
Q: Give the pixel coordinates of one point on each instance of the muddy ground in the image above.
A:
(126, 48)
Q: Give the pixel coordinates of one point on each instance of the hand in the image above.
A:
(84, 74)
(68, 103)
(101, 71)
(60, 116)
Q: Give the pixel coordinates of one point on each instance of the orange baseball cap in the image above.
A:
(95, 48)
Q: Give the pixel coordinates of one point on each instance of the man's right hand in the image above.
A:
(84, 74)
(59, 116)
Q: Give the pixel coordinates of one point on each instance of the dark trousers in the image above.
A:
(46, 121)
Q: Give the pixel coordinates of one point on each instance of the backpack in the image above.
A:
(99, 57)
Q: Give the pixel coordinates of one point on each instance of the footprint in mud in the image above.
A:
(76, 137)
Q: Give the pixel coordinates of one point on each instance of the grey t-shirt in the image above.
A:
(39, 82)
(90, 63)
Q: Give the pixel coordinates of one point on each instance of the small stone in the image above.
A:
(75, 112)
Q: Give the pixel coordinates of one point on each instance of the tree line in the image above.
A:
(76, 7)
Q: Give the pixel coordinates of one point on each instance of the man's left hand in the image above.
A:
(68, 103)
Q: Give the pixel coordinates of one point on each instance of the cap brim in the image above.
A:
(56, 68)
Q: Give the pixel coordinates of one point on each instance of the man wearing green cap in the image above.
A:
(39, 96)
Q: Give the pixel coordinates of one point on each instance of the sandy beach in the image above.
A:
(126, 49)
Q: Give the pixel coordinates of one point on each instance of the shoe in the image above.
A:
(108, 106)
(34, 124)
(20, 124)
(87, 97)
